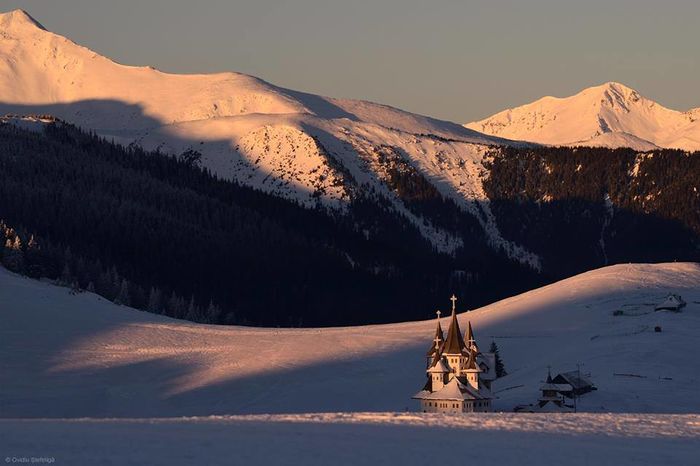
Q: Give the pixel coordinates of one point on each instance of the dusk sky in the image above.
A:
(456, 60)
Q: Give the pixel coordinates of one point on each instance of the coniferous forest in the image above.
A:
(583, 207)
(162, 234)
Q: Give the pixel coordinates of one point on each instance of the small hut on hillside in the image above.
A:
(673, 302)
(578, 383)
(551, 400)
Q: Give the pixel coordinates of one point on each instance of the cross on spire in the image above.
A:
(438, 313)
(454, 302)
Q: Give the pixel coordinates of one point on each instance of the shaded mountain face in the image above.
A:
(285, 208)
(610, 115)
(578, 208)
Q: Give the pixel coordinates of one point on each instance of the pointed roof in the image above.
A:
(472, 366)
(439, 367)
(454, 390)
(469, 338)
(454, 343)
(439, 335)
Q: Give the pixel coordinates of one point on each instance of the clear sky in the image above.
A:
(453, 59)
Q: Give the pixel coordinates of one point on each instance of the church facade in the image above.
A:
(459, 376)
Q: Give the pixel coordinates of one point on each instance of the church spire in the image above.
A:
(470, 340)
(454, 343)
(439, 338)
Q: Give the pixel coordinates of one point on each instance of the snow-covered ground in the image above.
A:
(609, 115)
(66, 355)
(84, 381)
(356, 439)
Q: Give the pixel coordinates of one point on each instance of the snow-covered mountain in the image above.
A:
(609, 115)
(300, 146)
(68, 355)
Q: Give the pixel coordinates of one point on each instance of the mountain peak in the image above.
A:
(582, 118)
(617, 91)
(616, 86)
(18, 18)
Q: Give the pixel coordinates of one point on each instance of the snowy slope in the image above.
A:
(292, 144)
(362, 438)
(609, 115)
(65, 355)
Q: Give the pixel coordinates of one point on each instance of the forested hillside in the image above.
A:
(165, 235)
(580, 208)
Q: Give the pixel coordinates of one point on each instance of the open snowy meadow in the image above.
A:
(85, 381)
(362, 438)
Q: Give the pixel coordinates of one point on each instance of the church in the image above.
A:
(459, 376)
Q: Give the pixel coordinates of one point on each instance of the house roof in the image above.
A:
(420, 395)
(439, 367)
(574, 379)
(558, 387)
(454, 390)
(489, 360)
(551, 407)
(672, 302)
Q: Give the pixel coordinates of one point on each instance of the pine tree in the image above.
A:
(13, 256)
(192, 313)
(213, 313)
(66, 277)
(104, 285)
(176, 306)
(500, 368)
(123, 295)
(154, 301)
(33, 259)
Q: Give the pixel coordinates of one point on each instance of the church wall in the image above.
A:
(449, 406)
(441, 406)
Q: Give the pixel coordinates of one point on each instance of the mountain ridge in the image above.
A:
(580, 119)
(320, 152)
(311, 149)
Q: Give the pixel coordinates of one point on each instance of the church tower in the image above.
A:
(436, 343)
(472, 370)
(438, 374)
(454, 348)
